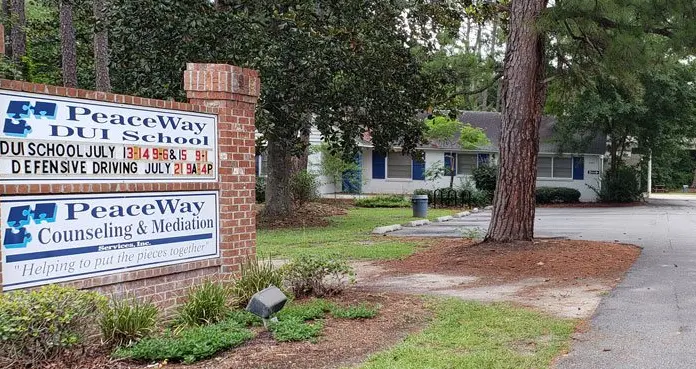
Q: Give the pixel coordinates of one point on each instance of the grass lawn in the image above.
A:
(472, 335)
(347, 235)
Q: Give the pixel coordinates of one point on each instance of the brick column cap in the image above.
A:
(223, 80)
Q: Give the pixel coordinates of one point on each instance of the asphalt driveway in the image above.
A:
(649, 320)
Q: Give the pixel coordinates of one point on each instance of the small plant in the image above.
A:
(361, 311)
(244, 318)
(557, 195)
(189, 345)
(472, 233)
(125, 321)
(295, 329)
(312, 310)
(254, 276)
(303, 187)
(423, 191)
(39, 324)
(315, 275)
(384, 201)
(207, 303)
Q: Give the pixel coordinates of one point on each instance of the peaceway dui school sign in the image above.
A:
(48, 239)
(54, 139)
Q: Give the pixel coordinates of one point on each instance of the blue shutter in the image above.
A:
(578, 168)
(448, 163)
(258, 164)
(378, 165)
(483, 159)
(418, 172)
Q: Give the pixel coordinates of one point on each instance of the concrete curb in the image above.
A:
(444, 219)
(462, 214)
(417, 223)
(386, 229)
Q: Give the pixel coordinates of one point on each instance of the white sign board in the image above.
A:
(48, 239)
(48, 139)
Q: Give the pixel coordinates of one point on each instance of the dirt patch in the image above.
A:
(560, 261)
(561, 277)
(313, 214)
(343, 342)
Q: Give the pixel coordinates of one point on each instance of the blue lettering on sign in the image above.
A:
(163, 207)
(19, 216)
(19, 110)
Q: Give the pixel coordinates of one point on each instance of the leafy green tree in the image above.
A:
(334, 167)
(449, 131)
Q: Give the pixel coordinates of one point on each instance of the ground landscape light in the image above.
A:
(267, 302)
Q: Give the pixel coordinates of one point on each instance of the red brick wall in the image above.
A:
(231, 93)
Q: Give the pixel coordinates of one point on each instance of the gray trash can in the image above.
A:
(420, 206)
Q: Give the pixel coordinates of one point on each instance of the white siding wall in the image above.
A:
(592, 163)
(407, 186)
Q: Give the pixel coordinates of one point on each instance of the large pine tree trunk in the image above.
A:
(68, 44)
(278, 196)
(18, 34)
(524, 92)
(101, 48)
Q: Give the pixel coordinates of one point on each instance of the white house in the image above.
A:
(399, 174)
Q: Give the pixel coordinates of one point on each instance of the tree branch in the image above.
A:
(470, 92)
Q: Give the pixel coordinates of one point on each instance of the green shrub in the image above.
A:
(316, 275)
(189, 345)
(244, 318)
(254, 276)
(207, 303)
(125, 321)
(423, 191)
(383, 201)
(303, 187)
(39, 324)
(311, 310)
(485, 177)
(295, 329)
(361, 311)
(620, 185)
(557, 195)
(475, 197)
(260, 190)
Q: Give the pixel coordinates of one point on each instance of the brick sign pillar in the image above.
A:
(232, 93)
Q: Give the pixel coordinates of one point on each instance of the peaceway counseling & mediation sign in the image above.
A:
(48, 139)
(48, 239)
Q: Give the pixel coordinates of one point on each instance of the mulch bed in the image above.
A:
(560, 261)
(343, 342)
(312, 214)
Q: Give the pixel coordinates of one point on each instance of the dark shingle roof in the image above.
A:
(491, 122)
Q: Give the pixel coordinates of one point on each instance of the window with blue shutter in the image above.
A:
(378, 165)
(418, 170)
(578, 167)
(450, 163)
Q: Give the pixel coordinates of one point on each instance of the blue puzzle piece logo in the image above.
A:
(19, 216)
(44, 213)
(19, 110)
(16, 128)
(16, 239)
